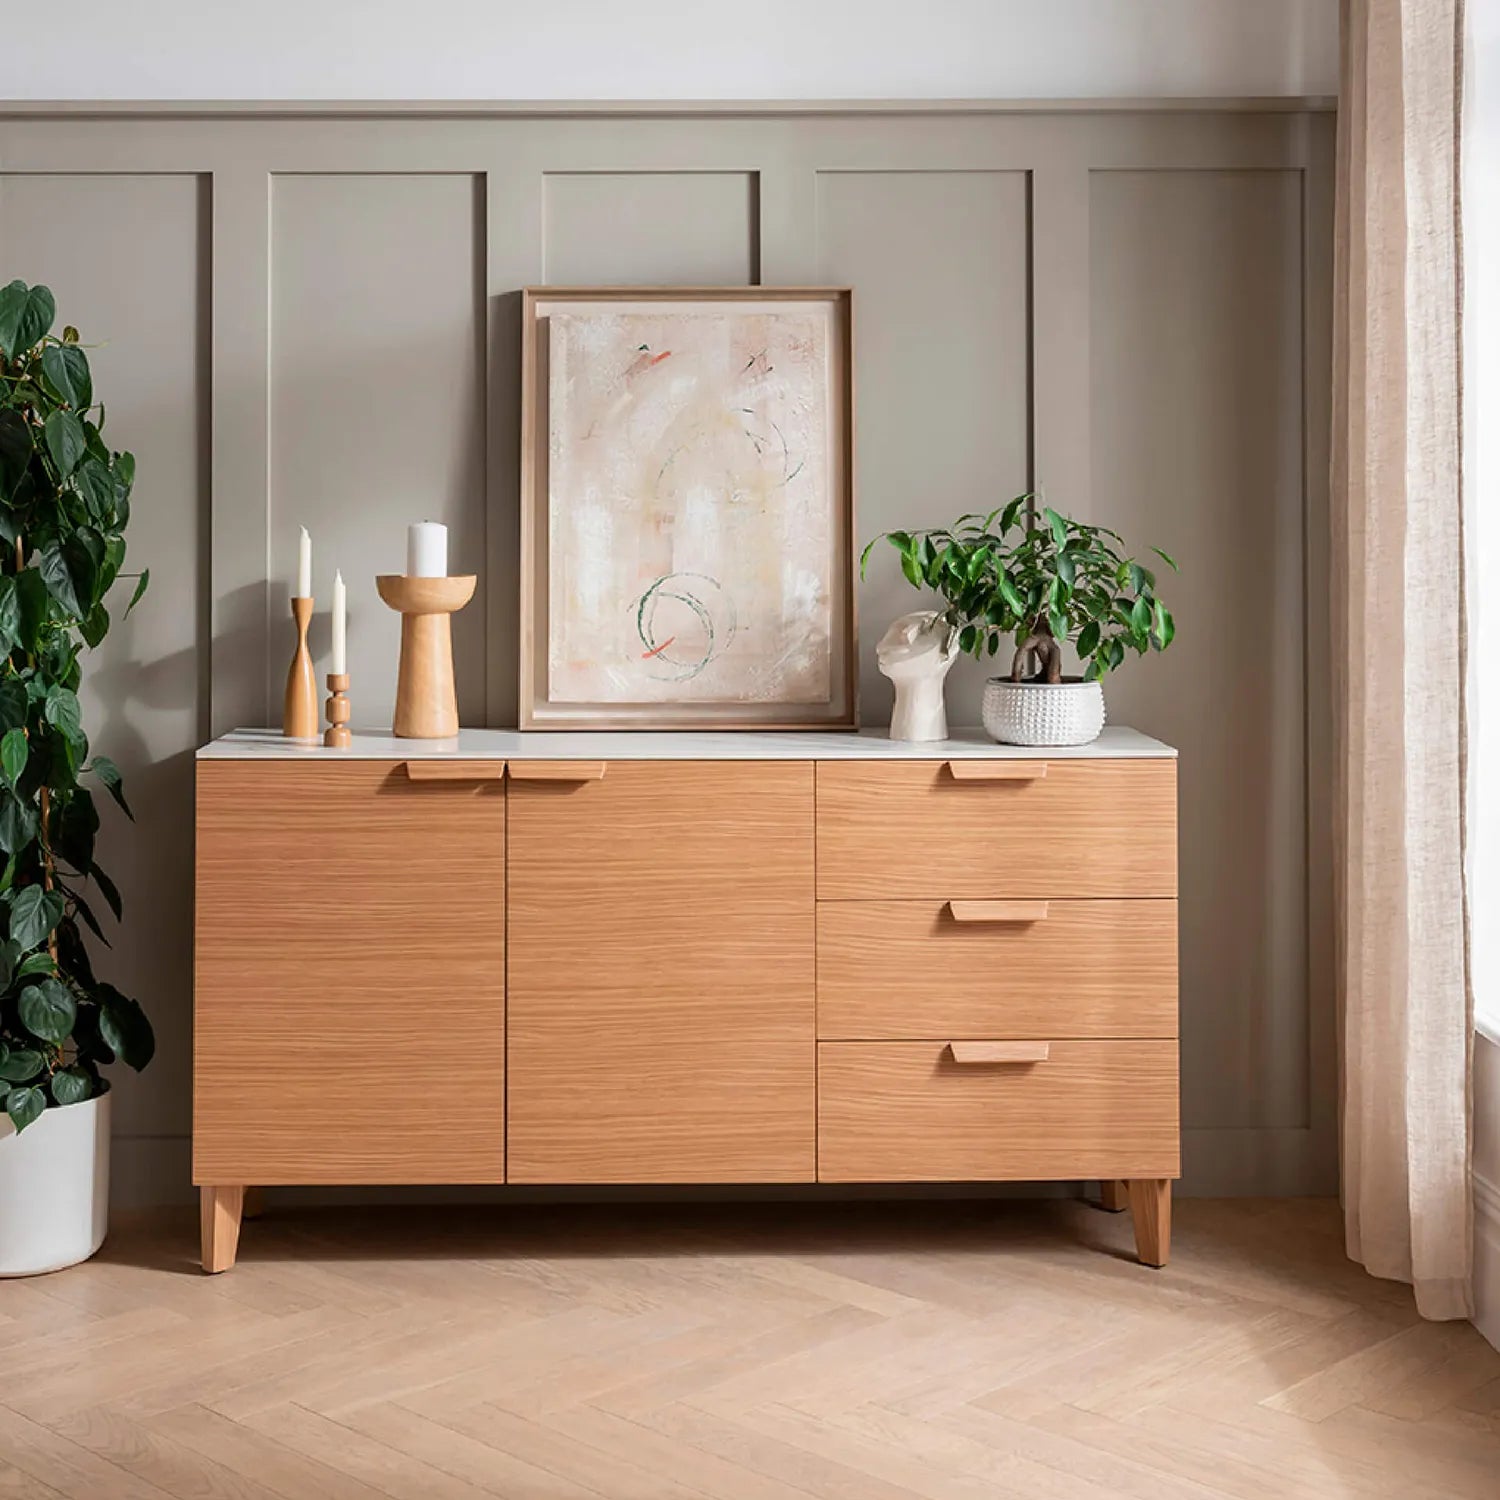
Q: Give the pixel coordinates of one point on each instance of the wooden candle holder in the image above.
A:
(337, 736)
(426, 704)
(299, 710)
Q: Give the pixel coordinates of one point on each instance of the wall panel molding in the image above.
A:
(992, 351)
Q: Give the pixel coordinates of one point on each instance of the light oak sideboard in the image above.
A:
(685, 958)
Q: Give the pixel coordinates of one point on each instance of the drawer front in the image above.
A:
(910, 1112)
(909, 829)
(996, 969)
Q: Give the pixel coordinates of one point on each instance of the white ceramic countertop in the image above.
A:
(1114, 743)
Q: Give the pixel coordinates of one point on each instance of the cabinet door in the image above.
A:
(350, 974)
(661, 974)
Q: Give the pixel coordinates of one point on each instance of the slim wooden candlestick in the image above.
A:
(299, 714)
(337, 736)
(426, 704)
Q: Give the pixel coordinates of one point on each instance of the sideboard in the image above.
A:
(685, 958)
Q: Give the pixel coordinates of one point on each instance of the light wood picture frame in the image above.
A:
(687, 528)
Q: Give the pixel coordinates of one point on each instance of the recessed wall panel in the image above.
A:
(376, 403)
(651, 228)
(938, 263)
(127, 258)
(1196, 406)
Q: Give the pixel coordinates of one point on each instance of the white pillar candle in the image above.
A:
(340, 627)
(304, 566)
(426, 550)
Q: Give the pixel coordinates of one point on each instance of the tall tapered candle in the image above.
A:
(426, 550)
(304, 566)
(340, 664)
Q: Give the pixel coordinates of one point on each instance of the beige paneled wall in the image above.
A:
(314, 320)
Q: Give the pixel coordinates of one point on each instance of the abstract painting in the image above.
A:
(692, 510)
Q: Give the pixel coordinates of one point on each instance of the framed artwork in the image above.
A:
(687, 509)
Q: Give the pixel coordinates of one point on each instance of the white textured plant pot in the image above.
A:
(54, 1188)
(1042, 713)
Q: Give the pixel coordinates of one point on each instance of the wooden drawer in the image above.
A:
(997, 969)
(939, 829)
(909, 1112)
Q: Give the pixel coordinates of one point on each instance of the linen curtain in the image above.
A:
(1402, 944)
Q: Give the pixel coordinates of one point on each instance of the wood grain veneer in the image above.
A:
(661, 1009)
(906, 1112)
(1151, 1210)
(910, 828)
(349, 975)
(909, 969)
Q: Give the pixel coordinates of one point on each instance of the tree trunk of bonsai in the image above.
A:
(1044, 643)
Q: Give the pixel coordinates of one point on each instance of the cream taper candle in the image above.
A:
(340, 663)
(304, 566)
(426, 550)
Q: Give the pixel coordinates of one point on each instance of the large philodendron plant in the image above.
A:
(1026, 573)
(64, 504)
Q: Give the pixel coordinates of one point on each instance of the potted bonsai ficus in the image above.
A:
(1035, 581)
(64, 504)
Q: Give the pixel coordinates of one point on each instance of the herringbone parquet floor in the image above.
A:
(853, 1352)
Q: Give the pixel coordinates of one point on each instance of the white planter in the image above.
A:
(1042, 713)
(54, 1188)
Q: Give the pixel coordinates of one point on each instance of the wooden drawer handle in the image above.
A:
(999, 1052)
(997, 770)
(455, 770)
(998, 911)
(558, 770)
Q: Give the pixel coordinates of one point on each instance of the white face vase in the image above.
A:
(916, 654)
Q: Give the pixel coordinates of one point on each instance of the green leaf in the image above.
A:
(9, 953)
(33, 915)
(1088, 638)
(71, 1086)
(20, 1064)
(58, 578)
(912, 568)
(63, 712)
(10, 614)
(31, 591)
(1012, 599)
(36, 963)
(1057, 622)
(24, 1106)
(47, 1010)
(13, 753)
(26, 313)
(966, 638)
(124, 1027)
(109, 773)
(1168, 627)
(95, 625)
(67, 367)
(864, 558)
(1140, 619)
(1011, 511)
(140, 589)
(15, 450)
(65, 440)
(18, 822)
(1067, 567)
(1058, 526)
(1166, 559)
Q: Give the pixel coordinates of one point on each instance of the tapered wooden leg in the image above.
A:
(219, 1210)
(255, 1203)
(1114, 1195)
(1151, 1208)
